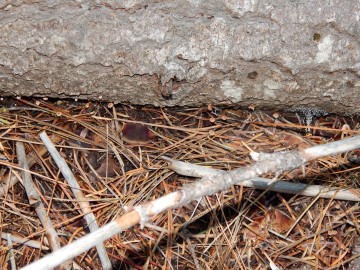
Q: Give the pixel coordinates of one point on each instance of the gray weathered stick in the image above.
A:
(84, 204)
(193, 170)
(35, 200)
(11, 252)
(24, 241)
(11, 179)
(273, 163)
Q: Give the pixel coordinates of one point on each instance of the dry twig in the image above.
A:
(266, 163)
(24, 241)
(35, 201)
(11, 252)
(193, 170)
(81, 199)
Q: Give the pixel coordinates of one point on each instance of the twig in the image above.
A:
(35, 201)
(269, 163)
(355, 263)
(192, 251)
(11, 179)
(193, 170)
(11, 251)
(84, 204)
(24, 241)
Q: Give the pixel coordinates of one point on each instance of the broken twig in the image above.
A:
(11, 178)
(35, 200)
(24, 241)
(81, 199)
(267, 163)
(193, 170)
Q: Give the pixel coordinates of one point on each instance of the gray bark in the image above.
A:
(283, 54)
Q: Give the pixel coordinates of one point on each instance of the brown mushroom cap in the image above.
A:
(136, 133)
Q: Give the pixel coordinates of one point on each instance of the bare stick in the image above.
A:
(11, 252)
(24, 241)
(35, 201)
(86, 242)
(11, 179)
(75, 188)
(193, 170)
(267, 164)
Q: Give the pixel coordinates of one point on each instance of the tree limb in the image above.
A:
(267, 163)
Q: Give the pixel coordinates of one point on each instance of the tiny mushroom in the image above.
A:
(136, 133)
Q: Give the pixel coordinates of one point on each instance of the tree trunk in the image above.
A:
(267, 54)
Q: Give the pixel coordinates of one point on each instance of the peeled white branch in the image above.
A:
(188, 169)
(273, 163)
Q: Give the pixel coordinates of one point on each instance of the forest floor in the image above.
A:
(115, 153)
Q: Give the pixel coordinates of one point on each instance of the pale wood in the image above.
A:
(81, 199)
(273, 163)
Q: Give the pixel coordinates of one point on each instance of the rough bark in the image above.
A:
(284, 54)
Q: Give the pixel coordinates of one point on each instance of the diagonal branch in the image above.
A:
(193, 170)
(75, 188)
(267, 163)
(35, 201)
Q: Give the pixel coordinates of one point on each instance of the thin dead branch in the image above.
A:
(11, 252)
(266, 163)
(35, 201)
(12, 179)
(24, 241)
(81, 199)
(193, 170)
